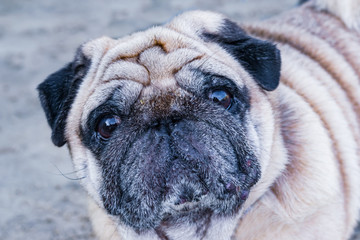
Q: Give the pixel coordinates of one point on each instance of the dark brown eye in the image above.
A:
(107, 125)
(221, 97)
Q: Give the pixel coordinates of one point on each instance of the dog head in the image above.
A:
(170, 124)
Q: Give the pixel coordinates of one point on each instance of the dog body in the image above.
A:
(320, 76)
(184, 131)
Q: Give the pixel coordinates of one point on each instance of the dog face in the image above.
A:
(168, 125)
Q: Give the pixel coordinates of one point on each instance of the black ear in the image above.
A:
(260, 58)
(57, 94)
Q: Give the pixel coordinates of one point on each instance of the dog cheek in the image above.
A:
(134, 184)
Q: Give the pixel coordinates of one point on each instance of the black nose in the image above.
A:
(165, 121)
(164, 126)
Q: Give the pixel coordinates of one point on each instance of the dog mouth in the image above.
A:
(182, 194)
(193, 190)
(186, 202)
(193, 205)
(179, 175)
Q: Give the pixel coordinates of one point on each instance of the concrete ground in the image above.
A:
(39, 197)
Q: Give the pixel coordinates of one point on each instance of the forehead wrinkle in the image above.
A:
(127, 70)
(135, 44)
(138, 72)
(127, 49)
(162, 65)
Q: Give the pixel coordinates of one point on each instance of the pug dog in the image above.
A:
(206, 129)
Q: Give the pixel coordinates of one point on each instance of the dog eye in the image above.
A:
(221, 97)
(107, 125)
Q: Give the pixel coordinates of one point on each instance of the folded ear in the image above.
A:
(260, 58)
(57, 94)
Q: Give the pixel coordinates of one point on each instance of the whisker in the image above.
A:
(69, 173)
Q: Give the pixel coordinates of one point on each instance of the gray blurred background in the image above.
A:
(37, 37)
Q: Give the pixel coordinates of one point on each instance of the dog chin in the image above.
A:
(187, 203)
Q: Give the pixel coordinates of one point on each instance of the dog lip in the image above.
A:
(184, 204)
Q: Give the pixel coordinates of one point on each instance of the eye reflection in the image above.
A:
(222, 97)
(107, 125)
